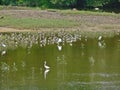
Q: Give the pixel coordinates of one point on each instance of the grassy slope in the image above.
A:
(34, 23)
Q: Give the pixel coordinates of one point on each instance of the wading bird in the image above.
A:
(45, 66)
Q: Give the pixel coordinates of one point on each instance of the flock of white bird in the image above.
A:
(27, 40)
(14, 40)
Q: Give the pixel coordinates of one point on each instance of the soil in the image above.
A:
(88, 22)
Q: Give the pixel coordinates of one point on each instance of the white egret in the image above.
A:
(45, 66)
(3, 52)
(100, 38)
(59, 40)
(3, 45)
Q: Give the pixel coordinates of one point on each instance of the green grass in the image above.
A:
(36, 23)
(73, 12)
(65, 11)
(9, 7)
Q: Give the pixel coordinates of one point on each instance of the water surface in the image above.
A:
(76, 62)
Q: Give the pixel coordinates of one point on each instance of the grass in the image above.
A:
(9, 7)
(110, 27)
(83, 12)
(66, 11)
(35, 23)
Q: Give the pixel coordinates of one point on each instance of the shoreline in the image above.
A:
(92, 33)
(87, 29)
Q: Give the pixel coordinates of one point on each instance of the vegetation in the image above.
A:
(34, 23)
(55, 19)
(84, 4)
(35, 19)
(83, 12)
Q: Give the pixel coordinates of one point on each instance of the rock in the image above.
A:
(1, 17)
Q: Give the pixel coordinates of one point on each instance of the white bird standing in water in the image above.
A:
(3, 45)
(59, 40)
(100, 38)
(3, 52)
(46, 69)
(45, 66)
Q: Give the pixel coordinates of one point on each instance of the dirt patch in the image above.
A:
(31, 13)
(5, 29)
(85, 29)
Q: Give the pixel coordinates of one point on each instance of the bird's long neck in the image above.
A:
(44, 64)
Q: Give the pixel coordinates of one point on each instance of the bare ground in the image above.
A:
(88, 22)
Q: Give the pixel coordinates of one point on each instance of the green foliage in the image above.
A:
(59, 3)
(94, 3)
(20, 2)
(97, 3)
(5, 2)
(63, 2)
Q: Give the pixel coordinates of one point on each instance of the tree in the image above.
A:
(5, 2)
(64, 3)
(80, 3)
(94, 3)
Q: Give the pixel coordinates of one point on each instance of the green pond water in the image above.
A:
(76, 62)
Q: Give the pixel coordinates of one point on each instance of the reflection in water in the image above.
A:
(61, 71)
(101, 44)
(59, 47)
(45, 73)
(23, 64)
(92, 61)
(14, 67)
(5, 67)
(79, 63)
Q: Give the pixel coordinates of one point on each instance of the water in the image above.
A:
(76, 62)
